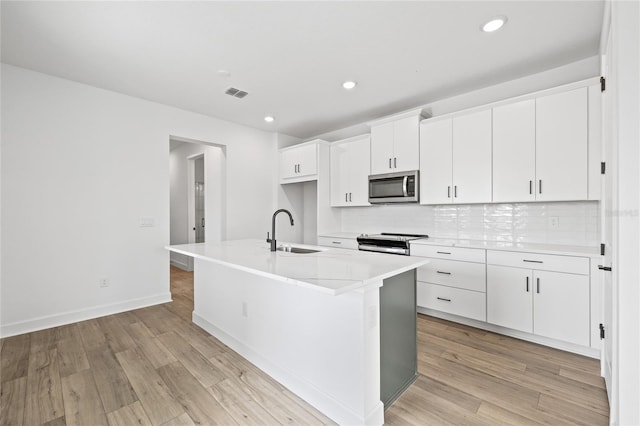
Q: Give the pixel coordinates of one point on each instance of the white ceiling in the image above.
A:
(293, 56)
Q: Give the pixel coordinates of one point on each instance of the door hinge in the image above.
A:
(603, 84)
(603, 167)
(601, 331)
(602, 249)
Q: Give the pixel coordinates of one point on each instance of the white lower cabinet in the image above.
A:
(450, 282)
(553, 304)
(338, 242)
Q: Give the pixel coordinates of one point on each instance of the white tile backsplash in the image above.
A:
(519, 222)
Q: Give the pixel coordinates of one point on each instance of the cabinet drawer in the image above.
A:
(465, 275)
(543, 262)
(346, 243)
(451, 253)
(465, 303)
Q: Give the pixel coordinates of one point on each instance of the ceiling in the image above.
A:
(292, 57)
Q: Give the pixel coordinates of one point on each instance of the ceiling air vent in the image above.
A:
(236, 93)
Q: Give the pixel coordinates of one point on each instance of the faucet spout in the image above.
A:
(273, 227)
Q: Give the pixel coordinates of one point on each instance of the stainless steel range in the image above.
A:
(387, 242)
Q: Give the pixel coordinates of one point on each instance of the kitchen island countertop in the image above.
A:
(330, 270)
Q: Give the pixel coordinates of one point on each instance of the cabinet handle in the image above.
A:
(395, 163)
(532, 261)
(448, 191)
(444, 299)
(604, 268)
(540, 186)
(527, 284)
(443, 252)
(346, 197)
(455, 191)
(538, 285)
(443, 273)
(389, 162)
(350, 197)
(336, 242)
(530, 187)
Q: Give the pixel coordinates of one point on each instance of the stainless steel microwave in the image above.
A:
(399, 187)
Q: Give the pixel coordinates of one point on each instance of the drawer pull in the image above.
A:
(527, 284)
(443, 299)
(336, 242)
(444, 273)
(443, 252)
(532, 261)
(538, 285)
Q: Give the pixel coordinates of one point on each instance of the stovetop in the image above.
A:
(390, 236)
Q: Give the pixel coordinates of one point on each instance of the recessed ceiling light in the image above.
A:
(494, 24)
(269, 119)
(224, 73)
(349, 85)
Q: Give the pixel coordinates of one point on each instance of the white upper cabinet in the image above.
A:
(562, 146)
(350, 160)
(395, 143)
(514, 152)
(472, 158)
(455, 159)
(436, 162)
(299, 163)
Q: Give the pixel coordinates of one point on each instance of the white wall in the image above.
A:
(80, 167)
(625, 57)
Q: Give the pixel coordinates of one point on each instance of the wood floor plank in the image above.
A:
(570, 412)
(14, 357)
(112, 382)
(201, 406)
(496, 415)
(581, 376)
(92, 335)
(42, 340)
(12, 400)
(461, 399)
(158, 401)
(192, 359)
(71, 354)
(310, 409)
(44, 390)
(82, 404)
(128, 415)
(152, 348)
(115, 333)
(183, 420)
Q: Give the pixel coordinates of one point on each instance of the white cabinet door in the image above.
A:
(359, 154)
(561, 306)
(562, 146)
(339, 175)
(472, 158)
(288, 164)
(514, 152)
(406, 144)
(307, 158)
(382, 148)
(436, 162)
(509, 297)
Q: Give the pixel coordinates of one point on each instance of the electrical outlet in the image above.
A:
(554, 222)
(103, 282)
(245, 310)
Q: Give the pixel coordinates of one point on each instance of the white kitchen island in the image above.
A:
(311, 321)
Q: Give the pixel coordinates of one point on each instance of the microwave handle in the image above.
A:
(404, 185)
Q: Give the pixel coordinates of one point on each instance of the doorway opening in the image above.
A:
(197, 176)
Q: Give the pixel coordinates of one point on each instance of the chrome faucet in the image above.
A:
(272, 240)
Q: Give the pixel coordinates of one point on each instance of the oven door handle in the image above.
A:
(393, 250)
(405, 180)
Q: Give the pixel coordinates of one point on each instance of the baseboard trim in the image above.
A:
(329, 406)
(545, 341)
(64, 318)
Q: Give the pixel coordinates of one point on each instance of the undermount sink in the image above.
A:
(296, 250)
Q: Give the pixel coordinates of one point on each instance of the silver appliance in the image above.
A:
(387, 242)
(400, 187)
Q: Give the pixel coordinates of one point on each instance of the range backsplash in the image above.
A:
(577, 221)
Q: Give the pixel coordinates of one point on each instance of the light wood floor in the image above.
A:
(152, 366)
